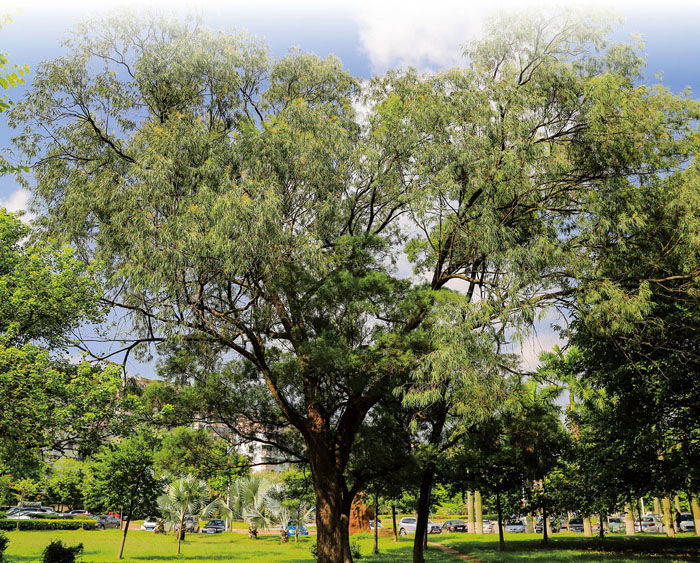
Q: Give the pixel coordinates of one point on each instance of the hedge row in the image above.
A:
(10, 525)
(58, 516)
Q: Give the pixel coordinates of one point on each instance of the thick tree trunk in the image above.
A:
(501, 541)
(470, 513)
(677, 501)
(423, 513)
(601, 531)
(393, 522)
(529, 528)
(329, 513)
(657, 506)
(587, 527)
(629, 520)
(668, 518)
(695, 510)
(479, 514)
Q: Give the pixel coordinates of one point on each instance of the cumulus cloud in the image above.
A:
(16, 201)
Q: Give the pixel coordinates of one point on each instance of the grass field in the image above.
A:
(142, 547)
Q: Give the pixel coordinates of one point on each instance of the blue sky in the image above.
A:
(369, 37)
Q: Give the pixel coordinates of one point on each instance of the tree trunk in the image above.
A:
(479, 514)
(587, 528)
(668, 518)
(180, 532)
(529, 528)
(677, 501)
(423, 513)
(601, 531)
(629, 520)
(657, 506)
(695, 510)
(126, 529)
(393, 522)
(376, 523)
(501, 542)
(470, 513)
(545, 537)
(296, 535)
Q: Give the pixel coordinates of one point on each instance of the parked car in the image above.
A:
(554, 525)
(149, 524)
(190, 523)
(455, 526)
(490, 527)
(687, 522)
(214, 527)
(371, 524)
(79, 513)
(576, 525)
(616, 524)
(407, 525)
(104, 521)
(651, 524)
(292, 529)
(515, 527)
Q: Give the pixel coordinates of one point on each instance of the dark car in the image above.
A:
(576, 525)
(553, 524)
(214, 527)
(455, 526)
(434, 528)
(104, 522)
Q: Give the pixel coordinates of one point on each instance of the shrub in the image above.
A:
(355, 549)
(49, 524)
(313, 548)
(56, 552)
(3, 514)
(3, 546)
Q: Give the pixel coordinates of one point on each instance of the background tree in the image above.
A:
(121, 476)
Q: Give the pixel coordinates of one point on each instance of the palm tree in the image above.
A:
(252, 500)
(187, 496)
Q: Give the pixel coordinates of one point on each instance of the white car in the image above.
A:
(515, 527)
(687, 522)
(407, 525)
(149, 524)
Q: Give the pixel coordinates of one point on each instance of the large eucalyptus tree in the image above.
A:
(243, 203)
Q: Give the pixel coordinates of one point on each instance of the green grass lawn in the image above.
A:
(142, 547)
(574, 548)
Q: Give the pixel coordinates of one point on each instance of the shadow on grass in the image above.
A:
(584, 550)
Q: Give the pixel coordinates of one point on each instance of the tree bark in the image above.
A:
(423, 513)
(695, 510)
(545, 537)
(587, 527)
(393, 522)
(677, 501)
(376, 522)
(657, 506)
(601, 531)
(479, 515)
(629, 520)
(668, 518)
(470, 512)
(501, 541)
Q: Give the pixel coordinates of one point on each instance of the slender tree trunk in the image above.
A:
(629, 520)
(376, 523)
(501, 541)
(479, 514)
(423, 513)
(587, 527)
(668, 518)
(470, 513)
(545, 537)
(134, 492)
(657, 506)
(393, 522)
(296, 535)
(601, 531)
(695, 511)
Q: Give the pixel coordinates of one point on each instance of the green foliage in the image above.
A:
(48, 524)
(56, 552)
(4, 541)
(64, 482)
(121, 475)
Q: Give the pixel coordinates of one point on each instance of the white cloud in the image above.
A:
(17, 201)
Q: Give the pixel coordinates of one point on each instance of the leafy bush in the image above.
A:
(3, 546)
(7, 524)
(49, 516)
(56, 552)
(313, 548)
(355, 549)
(3, 515)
